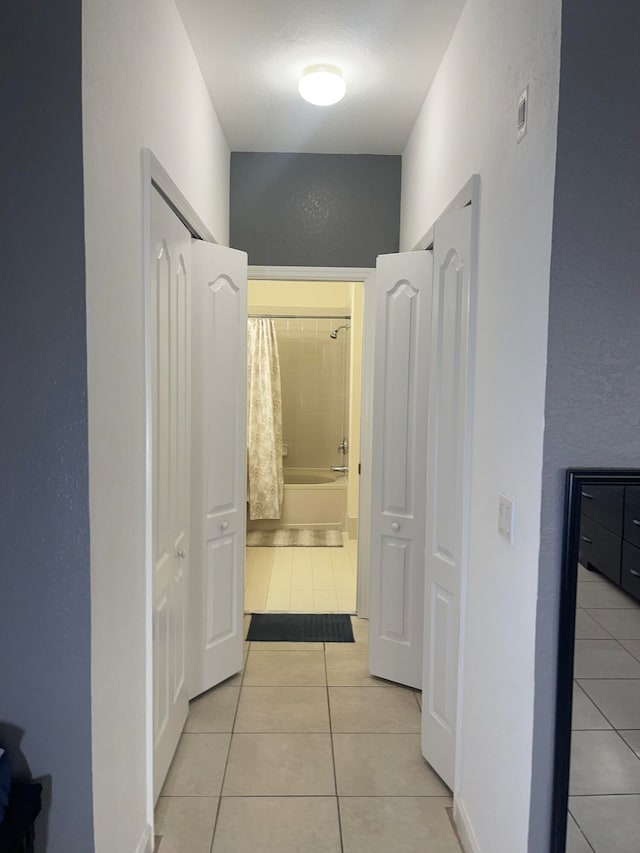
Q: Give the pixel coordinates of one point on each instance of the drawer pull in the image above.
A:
(587, 540)
(634, 572)
(587, 496)
(636, 521)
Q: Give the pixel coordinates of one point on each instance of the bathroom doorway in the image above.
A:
(305, 557)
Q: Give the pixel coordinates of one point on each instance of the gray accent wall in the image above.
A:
(45, 677)
(592, 409)
(315, 209)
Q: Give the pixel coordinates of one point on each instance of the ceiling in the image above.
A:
(252, 53)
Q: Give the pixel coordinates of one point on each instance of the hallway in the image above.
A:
(304, 751)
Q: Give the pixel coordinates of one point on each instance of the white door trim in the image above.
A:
(309, 273)
(469, 194)
(155, 175)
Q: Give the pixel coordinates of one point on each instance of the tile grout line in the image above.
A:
(233, 726)
(333, 752)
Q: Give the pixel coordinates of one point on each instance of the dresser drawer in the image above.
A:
(632, 515)
(604, 504)
(600, 548)
(630, 580)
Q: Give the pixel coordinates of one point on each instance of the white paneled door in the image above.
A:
(219, 294)
(169, 321)
(403, 285)
(447, 485)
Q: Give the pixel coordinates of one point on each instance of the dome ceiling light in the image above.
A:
(322, 85)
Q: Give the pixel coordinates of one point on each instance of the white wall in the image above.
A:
(141, 87)
(467, 125)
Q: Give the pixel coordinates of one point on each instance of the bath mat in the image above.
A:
(294, 538)
(300, 628)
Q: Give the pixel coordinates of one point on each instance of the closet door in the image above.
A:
(219, 463)
(399, 435)
(170, 472)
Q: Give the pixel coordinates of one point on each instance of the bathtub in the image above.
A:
(314, 498)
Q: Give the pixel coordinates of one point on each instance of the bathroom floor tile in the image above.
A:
(588, 629)
(604, 659)
(348, 666)
(610, 823)
(282, 824)
(186, 823)
(400, 824)
(632, 646)
(623, 624)
(585, 714)
(576, 842)
(602, 763)
(598, 595)
(198, 766)
(214, 710)
(384, 765)
(373, 709)
(632, 738)
(283, 709)
(284, 668)
(618, 699)
(279, 765)
(586, 576)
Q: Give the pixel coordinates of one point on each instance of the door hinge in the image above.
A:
(359, 468)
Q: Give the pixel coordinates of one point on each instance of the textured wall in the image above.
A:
(315, 209)
(592, 415)
(468, 125)
(141, 87)
(45, 687)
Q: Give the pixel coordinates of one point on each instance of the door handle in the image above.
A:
(634, 572)
(587, 540)
(395, 526)
(587, 496)
(181, 554)
(636, 521)
(224, 525)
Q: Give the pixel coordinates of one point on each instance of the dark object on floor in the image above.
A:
(16, 830)
(300, 628)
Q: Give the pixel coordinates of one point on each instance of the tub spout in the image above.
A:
(340, 469)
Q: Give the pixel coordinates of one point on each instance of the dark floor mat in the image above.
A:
(300, 628)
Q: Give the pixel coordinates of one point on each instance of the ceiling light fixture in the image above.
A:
(322, 85)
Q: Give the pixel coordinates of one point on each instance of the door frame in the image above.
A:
(155, 176)
(262, 273)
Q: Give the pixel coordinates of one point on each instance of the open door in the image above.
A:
(219, 454)
(447, 487)
(399, 435)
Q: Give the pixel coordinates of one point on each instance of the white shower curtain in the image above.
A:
(264, 421)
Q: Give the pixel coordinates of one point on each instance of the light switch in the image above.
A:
(506, 508)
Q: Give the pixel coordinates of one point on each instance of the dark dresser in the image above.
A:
(610, 533)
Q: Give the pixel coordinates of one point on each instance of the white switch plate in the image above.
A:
(506, 512)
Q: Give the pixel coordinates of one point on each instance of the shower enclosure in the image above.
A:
(315, 358)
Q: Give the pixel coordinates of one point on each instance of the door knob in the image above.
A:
(181, 554)
(224, 525)
(395, 526)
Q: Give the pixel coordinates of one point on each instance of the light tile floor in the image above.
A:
(304, 580)
(604, 789)
(304, 752)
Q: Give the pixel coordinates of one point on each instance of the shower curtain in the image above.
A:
(264, 426)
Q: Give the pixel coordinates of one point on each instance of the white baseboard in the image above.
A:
(146, 842)
(465, 830)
